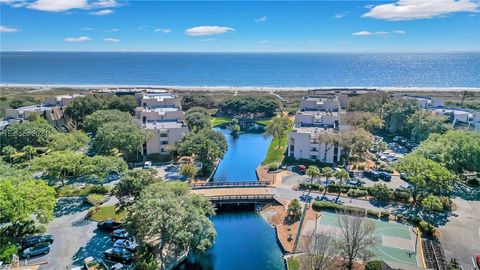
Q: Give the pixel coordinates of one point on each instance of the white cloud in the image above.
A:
(339, 15)
(62, 5)
(77, 39)
(111, 30)
(368, 33)
(88, 29)
(102, 12)
(208, 40)
(261, 19)
(378, 33)
(420, 9)
(58, 5)
(163, 30)
(114, 40)
(208, 30)
(7, 29)
(264, 41)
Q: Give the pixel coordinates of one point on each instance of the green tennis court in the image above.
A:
(396, 241)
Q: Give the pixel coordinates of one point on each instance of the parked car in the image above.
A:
(35, 240)
(300, 169)
(92, 264)
(120, 234)
(372, 175)
(147, 165)
(328, 182)
(119, 254)
(397, 138)
(385, 176)
(403, 176)
(128, 244)
(39, 249)
(478, 261)
(119, 266)
(109, 225)
(355, 183)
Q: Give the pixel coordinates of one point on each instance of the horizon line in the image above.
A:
(259, 52)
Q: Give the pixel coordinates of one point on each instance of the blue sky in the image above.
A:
(250, 26)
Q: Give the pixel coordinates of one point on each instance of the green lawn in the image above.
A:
(263, 122)
(219, 120)
(275, 154)
(293, 263)
(107, 212)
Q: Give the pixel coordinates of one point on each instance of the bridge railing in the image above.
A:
(229, 184)
(227, 198)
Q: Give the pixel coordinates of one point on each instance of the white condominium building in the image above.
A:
(317, 119)
(158, 99)
(311, 143)
(165, 135)
(324, 103)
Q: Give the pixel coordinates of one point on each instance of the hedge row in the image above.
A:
(353, 210)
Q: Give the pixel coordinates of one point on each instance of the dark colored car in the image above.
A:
(120, 234)
(300, 169)
(385, 176)
(109, 225)
(128, 244)
(372, 175)
(39, 249)
(119, 254)
(35, 240)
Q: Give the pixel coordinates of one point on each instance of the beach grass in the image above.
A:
(275, 154)
(293, 263)
(216, 121)
(107, 212)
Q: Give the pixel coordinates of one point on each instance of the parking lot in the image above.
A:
(75, 237)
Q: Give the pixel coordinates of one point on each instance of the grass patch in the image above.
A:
(72, 191)
(275, 154)
(106, 212)
(263, 122)
(216, 121)
(293, 263)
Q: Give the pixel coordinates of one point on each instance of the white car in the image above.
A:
(147, 165)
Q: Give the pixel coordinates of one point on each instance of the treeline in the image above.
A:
(378, 112)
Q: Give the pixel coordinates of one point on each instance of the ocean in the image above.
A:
(242, 69)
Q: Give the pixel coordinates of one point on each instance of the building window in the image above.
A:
(313, 157)
(164, 142)
(163, 135)
(314, 149)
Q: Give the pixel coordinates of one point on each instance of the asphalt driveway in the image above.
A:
(75, 237)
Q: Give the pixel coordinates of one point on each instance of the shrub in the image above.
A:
(353, 210)
(361, 167)
(414, 219)
(100, 189)
(401, 195)
(385, 214)
(314, 186)
(333, 188)
(400, 217)
(273, 166)
(426, 228)
(7, 252)
(372, 213)
(381, 192)
(96, 199)
(386, 169)
(355, 193)
(374, 265)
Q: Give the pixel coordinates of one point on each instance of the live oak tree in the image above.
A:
(132, 183)
(30, 151)
(197, 121)
(206, 146)
(59, 165)
(8, 151)
(34, 133)
(278, 128)
(423, 123)
(99, 167)
(354, 142)
(381, 192)
(197, 100)
(357, 238)
(425, 176)
(95, 120)
(168, 220)
(458, 150)
(73, 140)
(396, 114)
(128, 138)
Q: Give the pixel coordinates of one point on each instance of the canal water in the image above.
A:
(244, 239)
(244, 155)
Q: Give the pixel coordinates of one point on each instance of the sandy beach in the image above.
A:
(243, 88)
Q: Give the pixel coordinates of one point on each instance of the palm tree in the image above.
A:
(9, 151)
(312, 172)
(341, 174)
(30, 151)
(327, 172)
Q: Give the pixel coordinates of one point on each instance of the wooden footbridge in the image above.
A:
(235, 192)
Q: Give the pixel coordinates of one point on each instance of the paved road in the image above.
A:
(75, 237)
(461, 235)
